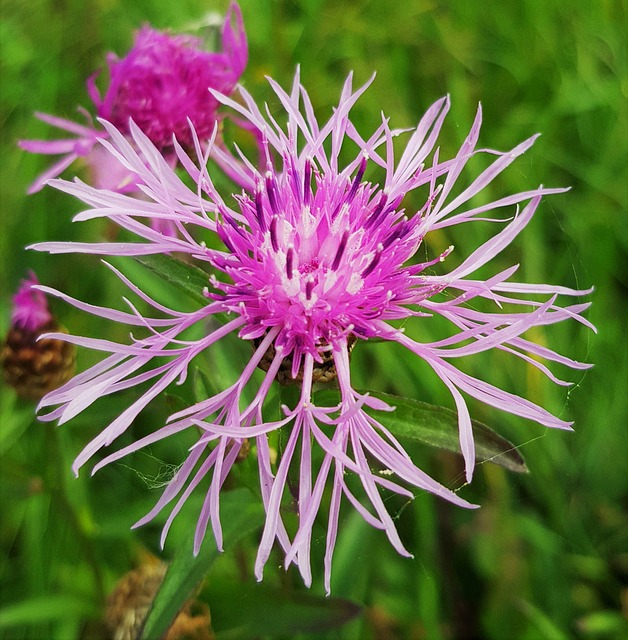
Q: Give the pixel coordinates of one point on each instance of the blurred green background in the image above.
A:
(547, 554)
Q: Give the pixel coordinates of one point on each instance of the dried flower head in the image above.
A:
(131, 600)
(315, 258)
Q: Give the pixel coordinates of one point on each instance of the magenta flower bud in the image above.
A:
(33, 365)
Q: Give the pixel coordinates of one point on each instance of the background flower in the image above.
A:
(162, 84)
(33, 365)
(164, 79)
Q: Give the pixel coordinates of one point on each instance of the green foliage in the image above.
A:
(187, 278)
(437, 427)
(545, 556)
(241, 515)
(273, 613)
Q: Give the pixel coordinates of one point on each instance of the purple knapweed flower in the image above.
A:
(31, 365)
(30, 307)
(161, 84)
(316, 259)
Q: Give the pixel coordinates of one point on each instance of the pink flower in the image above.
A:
(34, 365)
(317, 259)
(164, 81)
(30, 307)
(162, 84)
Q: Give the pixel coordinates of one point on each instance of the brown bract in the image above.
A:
(34, 367)
(324, 371)
(131, 600)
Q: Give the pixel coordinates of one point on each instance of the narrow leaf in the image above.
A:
(202, 385)
(46, 608)
(246, 611)
(241, 513)
(437, 427)
(186, 277)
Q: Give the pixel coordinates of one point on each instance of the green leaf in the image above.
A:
(15, 417)
(437, 427)
(543, 625)
(186, 277)
(241, 513)
(289, 395)
(247, 611)
(46, 609)
(604, 623)
(202, 385)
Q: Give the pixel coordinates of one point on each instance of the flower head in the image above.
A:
(316, 259)
(30, 307)
(162, 84)
(34, 366)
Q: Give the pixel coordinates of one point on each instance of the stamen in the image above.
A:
(358, 179)
(401, 229)
(273, 233)
(435, 193)
(309, 288)
(307, 182)
(445, 253)
(372, 218)
(341, 249)
(395, 203)
(334, 213)
(375, 261)
(259, 208)
(271, 192)
(222, 234)
(293, 176)
(289, 262)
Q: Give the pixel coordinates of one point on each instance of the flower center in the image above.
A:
(324, 371)
(320, 265)
(310, 267)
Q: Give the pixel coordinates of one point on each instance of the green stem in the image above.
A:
(56, 479)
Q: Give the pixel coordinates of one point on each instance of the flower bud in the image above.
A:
(33, 366)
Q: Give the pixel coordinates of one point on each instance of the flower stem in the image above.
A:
(58, 492)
